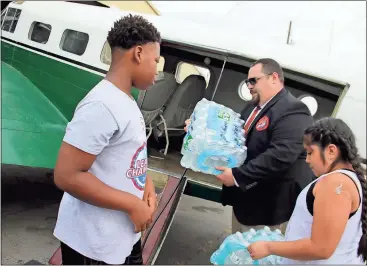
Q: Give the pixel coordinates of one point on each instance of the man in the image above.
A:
(263, 191)
(102, 163)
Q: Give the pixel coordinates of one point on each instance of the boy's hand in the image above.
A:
(152, 202)
(141, 215)
(150, 197)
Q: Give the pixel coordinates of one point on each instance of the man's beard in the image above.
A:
(255, 100)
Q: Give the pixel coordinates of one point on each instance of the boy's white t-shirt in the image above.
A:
(109, 124)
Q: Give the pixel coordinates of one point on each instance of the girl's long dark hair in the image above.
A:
(335, 131)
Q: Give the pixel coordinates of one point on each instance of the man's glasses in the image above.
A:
(253, 81)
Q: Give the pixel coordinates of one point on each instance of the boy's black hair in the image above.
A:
(335, 131)
(130, 31)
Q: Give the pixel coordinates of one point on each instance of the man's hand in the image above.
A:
(187, 123)
(226, 177)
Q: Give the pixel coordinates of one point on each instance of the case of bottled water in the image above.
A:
(215, 137)
(233, 250)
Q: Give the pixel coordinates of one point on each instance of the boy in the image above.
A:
(102, 163)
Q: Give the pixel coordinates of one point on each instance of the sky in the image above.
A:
(268, 18)
(206, 11)
(194, 9)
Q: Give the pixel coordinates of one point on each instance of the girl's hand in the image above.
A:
(258, 250)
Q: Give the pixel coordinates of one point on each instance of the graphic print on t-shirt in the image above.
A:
(138, 167)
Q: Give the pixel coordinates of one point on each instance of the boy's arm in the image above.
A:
(72, 176)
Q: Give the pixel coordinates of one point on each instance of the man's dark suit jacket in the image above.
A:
(275, 170)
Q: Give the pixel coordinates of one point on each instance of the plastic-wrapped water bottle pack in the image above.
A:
(215, 137)
(233, 250)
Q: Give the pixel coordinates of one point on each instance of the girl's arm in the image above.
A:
(331, 214)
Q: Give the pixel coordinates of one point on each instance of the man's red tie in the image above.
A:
(249, 121)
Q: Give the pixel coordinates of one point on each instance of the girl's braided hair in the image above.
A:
(335, 131)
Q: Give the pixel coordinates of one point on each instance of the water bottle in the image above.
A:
(241, 256)
(266, 234)
(238, 253)
(277, 235)
(185, 141)
(234, 248)
(193, 130)
(215, 138)
(203, 104)
(215, 154)
(234, 258)
(191, 150)
(229, 244)
(248, 235)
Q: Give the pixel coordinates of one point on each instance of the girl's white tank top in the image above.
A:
(300, 226)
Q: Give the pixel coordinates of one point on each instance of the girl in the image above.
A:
(329, 222)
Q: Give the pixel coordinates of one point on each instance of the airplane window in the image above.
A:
(244, 92)
(40, 32)
(160, 65)
(185, 69)
(3, 16)
(11, 19)
(8, 19)
(106, 54)
(15, 22)
(74, 42)
(310, 102)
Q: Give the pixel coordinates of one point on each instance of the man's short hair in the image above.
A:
(270, 66)
(130, 31)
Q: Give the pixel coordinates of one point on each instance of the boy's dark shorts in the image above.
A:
(71, 257)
